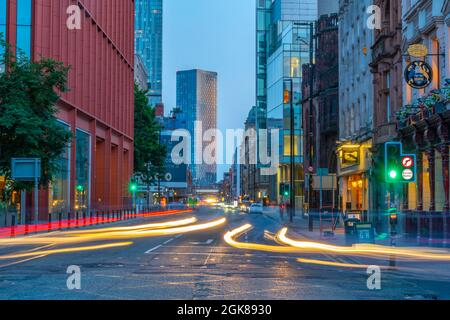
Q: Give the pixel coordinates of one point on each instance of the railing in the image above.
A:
(83, 218)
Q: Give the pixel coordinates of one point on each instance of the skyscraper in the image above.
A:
(283, 46)
(148, 43)
(197, 100)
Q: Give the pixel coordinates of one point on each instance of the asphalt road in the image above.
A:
(201, 265)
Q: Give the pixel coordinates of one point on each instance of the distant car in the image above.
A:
(244, 207)
(256, 208)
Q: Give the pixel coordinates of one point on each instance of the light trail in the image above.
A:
(56, 224)
(333, 264)
(68, 237)
(64, 250)
(364, 249)
(178, 227)
(158, 232)
(160, 225)
(230, 237)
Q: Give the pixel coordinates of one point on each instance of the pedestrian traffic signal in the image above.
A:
(399, 167)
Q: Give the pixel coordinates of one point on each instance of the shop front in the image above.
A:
(353, 171)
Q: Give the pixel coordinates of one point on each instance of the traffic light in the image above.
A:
(287, 190)
(399, 167)
(133, 187)
(393, 216)
(284, 189)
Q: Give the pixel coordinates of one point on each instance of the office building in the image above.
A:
(197, 101)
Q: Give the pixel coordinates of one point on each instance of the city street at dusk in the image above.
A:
(217, 159)
(201, 265)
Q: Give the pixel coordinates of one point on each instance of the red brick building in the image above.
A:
(387, 67)
(98, 110)
(320, 123)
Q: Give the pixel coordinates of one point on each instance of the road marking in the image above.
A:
(207, 258)
(224, 254)
(153, 249)
(208, 242)
(168, 241)
(224, 248)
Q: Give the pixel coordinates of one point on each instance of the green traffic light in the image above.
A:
(80, 188)
(133, 187)
(393, 174)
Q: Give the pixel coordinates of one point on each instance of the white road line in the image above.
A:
(170, 240)
(218, 254)
(153, 249)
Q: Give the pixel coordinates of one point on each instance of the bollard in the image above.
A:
(77, 219)
(13, 226)
(84, 218)
(68, 220)
(59, 221)
(49, 222)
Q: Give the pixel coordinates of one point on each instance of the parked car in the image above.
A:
(256, 208)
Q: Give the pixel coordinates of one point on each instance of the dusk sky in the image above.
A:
(213, 35)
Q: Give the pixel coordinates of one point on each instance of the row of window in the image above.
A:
(23, 25)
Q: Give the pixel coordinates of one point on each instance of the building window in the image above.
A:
(388, 97)
(59, 198)
(24, 17)
(3, 11)
(83, 170)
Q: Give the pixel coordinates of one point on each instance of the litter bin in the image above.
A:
(351, 236)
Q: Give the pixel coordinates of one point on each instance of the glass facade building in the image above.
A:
(148, 43)
(197, 100)
(283, 36)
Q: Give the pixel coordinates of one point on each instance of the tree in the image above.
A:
(149, 153)
(28, 125)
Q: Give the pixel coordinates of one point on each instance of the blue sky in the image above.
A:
(215, 35)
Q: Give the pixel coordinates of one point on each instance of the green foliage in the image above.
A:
(147, 148)
(28, 125)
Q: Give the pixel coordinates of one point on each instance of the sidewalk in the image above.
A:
(299, 230)
(300, 226)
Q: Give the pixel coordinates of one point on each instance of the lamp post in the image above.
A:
(288, 99)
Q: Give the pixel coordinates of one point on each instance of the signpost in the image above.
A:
(28, 169)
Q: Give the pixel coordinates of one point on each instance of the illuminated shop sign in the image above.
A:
(349, 156)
